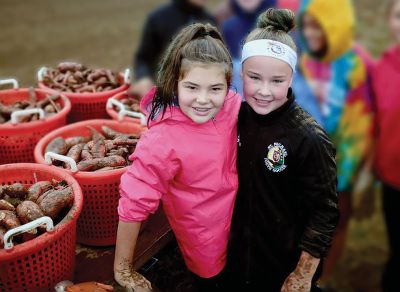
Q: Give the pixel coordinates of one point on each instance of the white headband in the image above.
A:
(270, 48)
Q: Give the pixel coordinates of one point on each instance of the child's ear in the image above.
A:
(241, 73)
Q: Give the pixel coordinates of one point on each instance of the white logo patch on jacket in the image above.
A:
(275, 160)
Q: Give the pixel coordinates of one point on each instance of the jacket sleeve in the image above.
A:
(354, 137)
(147, 179)
(147, 50)
(317, 179)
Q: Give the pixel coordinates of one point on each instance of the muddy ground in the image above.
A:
(105, 34)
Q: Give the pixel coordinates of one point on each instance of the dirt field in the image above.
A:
(105, 34)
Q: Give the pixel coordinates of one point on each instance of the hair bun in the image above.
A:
(277, 19)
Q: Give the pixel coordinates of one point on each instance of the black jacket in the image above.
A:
(287, 199)
(161, 26)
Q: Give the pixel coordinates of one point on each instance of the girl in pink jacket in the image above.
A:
(187, 158)
(385, 80)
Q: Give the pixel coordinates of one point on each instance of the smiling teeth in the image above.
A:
(262, 101)
(201, 109)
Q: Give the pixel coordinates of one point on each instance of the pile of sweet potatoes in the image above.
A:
(74, 77)
(50, 105)
(97, 152)
(20, 204)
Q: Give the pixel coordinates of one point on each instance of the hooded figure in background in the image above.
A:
(243, 20)
(236, 28)
(160, 27)
(332, 84)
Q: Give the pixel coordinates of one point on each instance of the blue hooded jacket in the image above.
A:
(236, 28)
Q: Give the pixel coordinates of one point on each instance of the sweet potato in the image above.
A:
(37, 189)
(135, 107)
(56, 106)
(75, 152)
(49, 109)
(90, 287)
(57, 145)
(8, 219)
(85, 154)
(70, 66)
(122, 151)
(110, 76)
(95, 75)
(96, 135)
(125, 141)
(4, 205)
(42, 103)
(112, 134)
(98, 149)
(102, 80)
(16, 190)
(111, 161)
(42, 196)
(2, 232)
(13, 201)
(28, 211)
(55, 201)
(72, 141)
(27, 236)
(87, 88)
(110, 145)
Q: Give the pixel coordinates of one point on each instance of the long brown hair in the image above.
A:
(197, 43)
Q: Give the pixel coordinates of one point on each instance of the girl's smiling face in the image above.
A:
(202, 91)
(313, 34)
(266, 81)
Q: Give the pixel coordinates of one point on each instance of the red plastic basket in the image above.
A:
(98, 222)
(124, 116)
(86, 106)
(39, 264)
(17, 141)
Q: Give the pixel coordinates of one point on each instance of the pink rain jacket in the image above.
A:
(386, 78)
(192, 169)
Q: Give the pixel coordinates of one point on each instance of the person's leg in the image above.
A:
(391, 209)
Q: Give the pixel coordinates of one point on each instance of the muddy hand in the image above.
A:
(296, 282)
(132, 281)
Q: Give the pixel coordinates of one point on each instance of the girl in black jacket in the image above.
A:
(286, 209)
